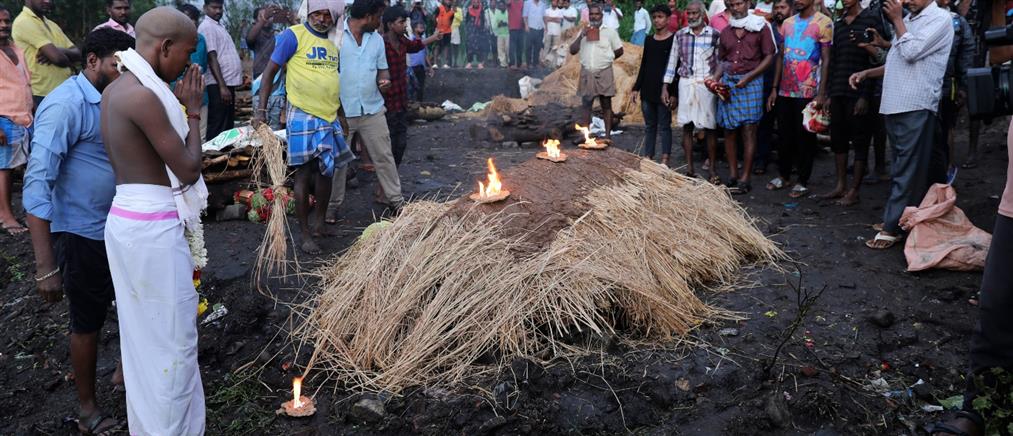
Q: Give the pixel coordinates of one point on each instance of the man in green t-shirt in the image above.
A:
(500, 28)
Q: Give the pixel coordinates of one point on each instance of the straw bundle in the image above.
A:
(272, 255)
(605, 243)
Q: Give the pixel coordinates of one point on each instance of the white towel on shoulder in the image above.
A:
(191, 200)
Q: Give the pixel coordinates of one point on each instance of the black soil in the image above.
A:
(714, 386)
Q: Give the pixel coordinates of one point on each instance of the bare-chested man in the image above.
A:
(144, 128)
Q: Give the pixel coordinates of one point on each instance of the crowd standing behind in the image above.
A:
(748, 70)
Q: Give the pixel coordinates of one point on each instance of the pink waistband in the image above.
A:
(143, 216)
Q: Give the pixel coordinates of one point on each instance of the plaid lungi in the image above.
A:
(745, 106)
(312, 137)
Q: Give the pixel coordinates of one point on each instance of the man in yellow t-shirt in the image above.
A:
(49, 54)
(316, 144)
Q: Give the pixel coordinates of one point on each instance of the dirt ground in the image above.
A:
(712, 383)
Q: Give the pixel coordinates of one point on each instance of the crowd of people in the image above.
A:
(100, 115)
(754, 70)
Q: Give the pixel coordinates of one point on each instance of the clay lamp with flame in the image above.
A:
(592, 143)
(492, 192)
(551, 152)
(299, 406)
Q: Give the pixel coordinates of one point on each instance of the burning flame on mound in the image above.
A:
(552, 148)
(587, 136)
(494, 187)
(296, 392)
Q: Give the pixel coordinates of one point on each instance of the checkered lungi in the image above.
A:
(312, 137)
(745, 106)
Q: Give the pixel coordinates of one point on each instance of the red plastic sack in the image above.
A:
(941, 236)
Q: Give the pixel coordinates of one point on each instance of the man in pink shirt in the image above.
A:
(119, 17)
(15, 117)
(992, 340)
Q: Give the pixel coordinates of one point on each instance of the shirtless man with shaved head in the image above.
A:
(154, 145)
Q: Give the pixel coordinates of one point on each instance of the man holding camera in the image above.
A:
(912, 80)
(849, 108)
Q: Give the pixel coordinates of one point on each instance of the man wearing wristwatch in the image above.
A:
(69, 188)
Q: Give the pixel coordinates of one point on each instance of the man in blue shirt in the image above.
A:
(200, 57)
(534, 25)
(363, 63)
(69, 188)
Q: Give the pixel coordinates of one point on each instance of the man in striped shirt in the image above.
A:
(694, 59)
(912, 81)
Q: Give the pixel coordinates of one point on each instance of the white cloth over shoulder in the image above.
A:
(191, 200)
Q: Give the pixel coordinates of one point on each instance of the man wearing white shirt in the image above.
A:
(534, 27)
(641, 21)
(570, 15)
(553, 32)
(610, 16)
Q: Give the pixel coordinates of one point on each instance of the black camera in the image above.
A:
(988, 88)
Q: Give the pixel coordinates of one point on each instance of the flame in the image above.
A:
(552, 148)
(296, 392)
(587, 136)
(494, 187)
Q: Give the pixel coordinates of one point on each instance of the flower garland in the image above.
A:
(195, 239)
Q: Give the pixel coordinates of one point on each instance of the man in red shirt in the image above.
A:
(396, 96)
(515, 21)
(745, 50)
(678, 18)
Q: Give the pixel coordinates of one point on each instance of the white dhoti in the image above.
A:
(697, 105)
(156, 303)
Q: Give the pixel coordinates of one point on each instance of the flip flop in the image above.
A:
(93, 425)
(880, 236)
(775, 184)
(16, 229)
(798, 191)
(741, 188)
(715, 180)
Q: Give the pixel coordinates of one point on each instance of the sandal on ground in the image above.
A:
(715, 180)
(949, 428)
(692, 175)
(93, 426)
(331, 218)
(741, 188)
(798, 191)
(15, 229)
(880, 236)
(775, 184)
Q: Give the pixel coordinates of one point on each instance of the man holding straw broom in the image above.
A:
(316, 145)
(599, 47)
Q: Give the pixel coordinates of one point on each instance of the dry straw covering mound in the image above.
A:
(605, 243)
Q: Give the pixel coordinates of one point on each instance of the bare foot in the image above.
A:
(849, 199)
(836, 193)
(309, 246)
(322, 231)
